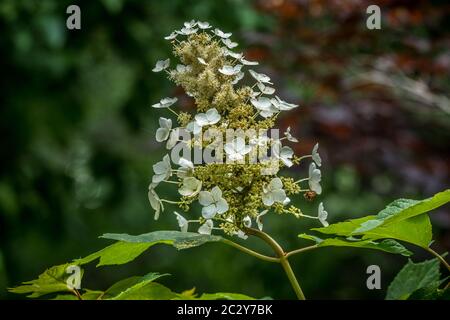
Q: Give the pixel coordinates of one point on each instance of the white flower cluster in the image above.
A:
(214, 205)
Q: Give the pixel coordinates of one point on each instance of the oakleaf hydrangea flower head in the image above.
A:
(165, 125)
(182, 222)
(322, 215)
(314, 178)
(273, 192)
(213, 203)
(161, 65)
(236, 178)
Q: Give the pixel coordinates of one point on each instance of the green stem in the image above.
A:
(291, 253)
(174, 112)
(250, 252)
(282, 259)
(437, 255)
(445, 263)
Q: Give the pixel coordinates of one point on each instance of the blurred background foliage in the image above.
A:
(78, 131)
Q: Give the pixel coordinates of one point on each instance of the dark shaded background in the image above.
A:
(78, 131)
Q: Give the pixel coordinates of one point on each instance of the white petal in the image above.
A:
(241, 235)
(173, 139)
(260, 77)
(275, 184)
(279, 195)
(267, 199)
(248, 63)
(162, 134)
(265, 89)
(258, 219)
(209, 212)
(182, 222)
(222, 206)
(202, 61)
(206, 228)
(165, 123)
(230, 70)
(221, 34)
(171, 36)
(213, 116)
(262, 103)
(203, 25)
(161, 65)
(201, 119)
(316, 156)
(186, 163)
(247, 221)
(216, 193)
(205, 198)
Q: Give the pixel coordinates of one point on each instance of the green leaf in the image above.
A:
(412, 277)
(403, 220)
(134, 286)
(50, 281)
(147, 291)
(345, 228)
(178, 239)
(416, 230)
(387, 245)
(65, 297)
(224, 296)
(91, 294)
(115, 254)
(403, 209)
(430, 293)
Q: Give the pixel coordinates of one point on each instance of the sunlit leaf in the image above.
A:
(387, 245)
(142, 286)
(50, 281)
(117, 253)
(178, 239)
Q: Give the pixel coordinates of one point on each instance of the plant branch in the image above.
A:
(250, 252)
(437, 255)
(282, 259)
(293, 252)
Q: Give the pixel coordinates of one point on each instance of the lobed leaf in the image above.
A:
(50, 281)
(403, 219)
(412, 277)
(387, 245)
